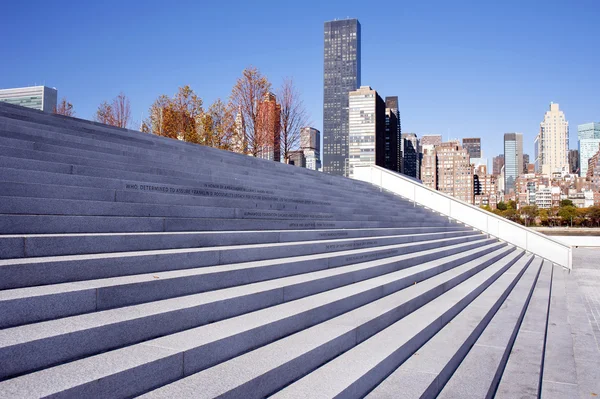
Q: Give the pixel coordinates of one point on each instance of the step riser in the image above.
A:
(72, 144)
(104, 172)
(152, 168)
(46, 206)
(36, 246)
(139, 192)
(501, 332)
(201, 358)
(127, 203)
(46, 352)
(436, 386)
(136, 142)
(30, 224)
(116, 152)
(19, 274)
(38, 308)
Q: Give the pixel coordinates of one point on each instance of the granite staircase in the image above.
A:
(134, 265)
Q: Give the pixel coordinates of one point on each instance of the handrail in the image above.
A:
(480, 219)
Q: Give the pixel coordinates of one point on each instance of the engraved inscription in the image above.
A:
(243, 194)
(372, 255)
(351, 245)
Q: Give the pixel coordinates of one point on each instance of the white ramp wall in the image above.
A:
(480, 219)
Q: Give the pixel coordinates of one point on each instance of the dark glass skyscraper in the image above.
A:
(341, 75)
(411, 155)
(473, 146)
(393, 151)
(513, 160)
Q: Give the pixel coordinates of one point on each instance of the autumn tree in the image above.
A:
(64, 108)
(544, 217)
(293, 117)
(218, 125)
(116, 113)
(247, 94)
(567, 213)
(529, 213)
(104, 114)
(594, 215)
(178, 117)
(158, 122)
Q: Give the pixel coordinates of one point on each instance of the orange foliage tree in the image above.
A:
(64, 108)
(116, 113)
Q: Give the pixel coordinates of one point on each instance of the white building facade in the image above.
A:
(37, 97)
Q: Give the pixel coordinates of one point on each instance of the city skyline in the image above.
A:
(448, 80)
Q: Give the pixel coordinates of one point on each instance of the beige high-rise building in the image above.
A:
(454, 171)
(429, 167)
(552, 142)
(366, 125)
(431, 139)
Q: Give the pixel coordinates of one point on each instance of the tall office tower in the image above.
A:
(393, 135)
(310, 144)
(411, 156)
(525, 163)
(552, 142)
(431, 140)
(268, 127)
(454, 171)
(497, 164)
(513, 160)
(473, 146)
(574, 161)
(341, 76)
(588, 138)
(37, 97)
(367, 129)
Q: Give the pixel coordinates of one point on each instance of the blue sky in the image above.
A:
(460, 68)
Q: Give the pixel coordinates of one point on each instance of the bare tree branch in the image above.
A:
(117, 113)
(293, 117)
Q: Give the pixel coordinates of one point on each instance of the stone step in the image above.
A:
(27, 305)
(17, 273)
(158, 168)
(94, 148)
(82, 207)
(51, 224)
(415, 312)
(80, 131)
(485, 368)
(425, 372)
(521, 376)
(160, 361)
(482, 368)
(136, 192)
(112, 170)
(559, 371)
(37, 245)
(147, 177)
(41, 135)
(392, 346)
(306, 179)
(69, 175)
(133, 143)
